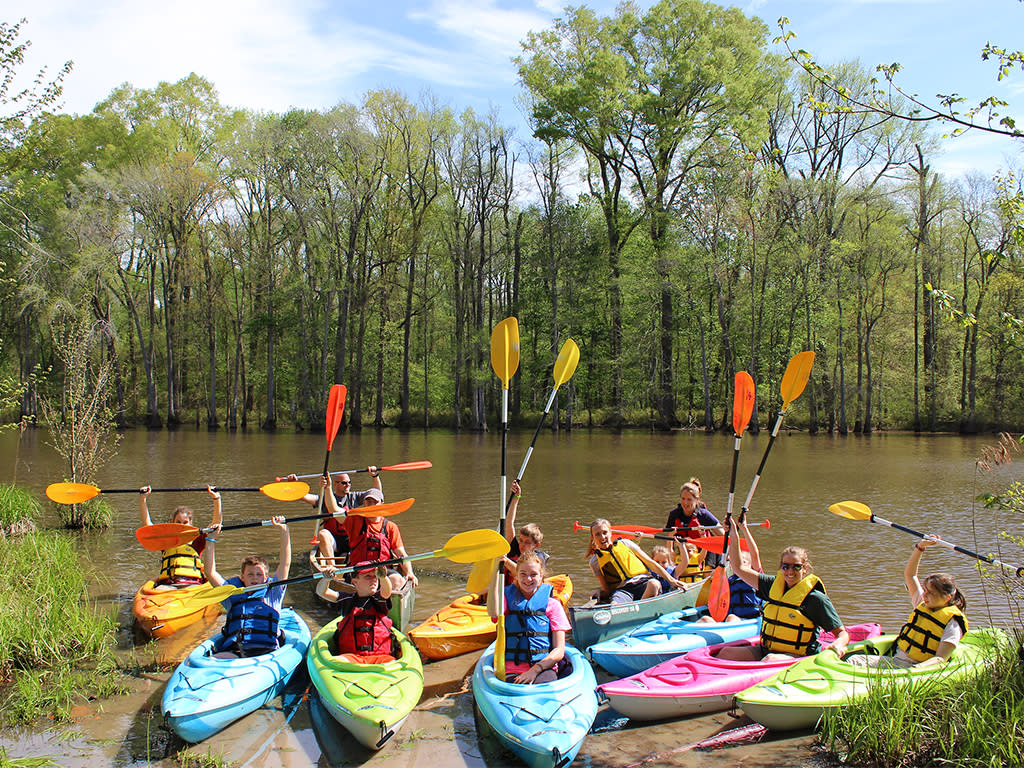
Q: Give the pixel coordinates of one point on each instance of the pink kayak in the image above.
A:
(699, 681)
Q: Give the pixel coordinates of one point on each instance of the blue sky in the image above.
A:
(275, 54)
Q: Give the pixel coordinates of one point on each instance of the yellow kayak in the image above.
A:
(162, 612)
(463, 625)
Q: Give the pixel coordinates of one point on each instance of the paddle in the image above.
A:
(630, 532)
(854, 510)
(504, 361)
(680, 532)
(76, 493)
(382, 510)
(465, 547)
(480, 576)
(399, 467)
(168, 535)
(565, 366)
(717, 544)
(742, 410)
(798, 371)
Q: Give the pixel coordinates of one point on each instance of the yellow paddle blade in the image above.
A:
(795, 378)
(480, 576)
(474, 546)
(382, 510)
(565, 365)
(71, 493)
(161, 536)
(292, 491)
(213, 596)
(852, 510)
(505, 349)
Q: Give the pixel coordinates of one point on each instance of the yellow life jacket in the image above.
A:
(694, 568)
(181, 564)
(784, 629)
(619, 563)
(921, 635)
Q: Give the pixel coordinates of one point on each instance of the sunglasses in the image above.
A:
(343, 482)
(791, 566)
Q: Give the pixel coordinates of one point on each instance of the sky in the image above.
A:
(272, 55)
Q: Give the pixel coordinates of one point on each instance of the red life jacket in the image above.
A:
(370, 546)
(364, 629)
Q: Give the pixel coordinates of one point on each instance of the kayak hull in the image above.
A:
(162, 612)
(371, 701)
(593, 622)
(463, 625)
(800, 695)
(699, 682)
(206, 694)
(545, 724)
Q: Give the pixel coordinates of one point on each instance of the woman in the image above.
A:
(625, 572)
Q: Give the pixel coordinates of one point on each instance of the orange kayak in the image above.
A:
(162, 612)
(463, 625)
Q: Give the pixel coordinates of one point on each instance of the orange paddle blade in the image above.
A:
(718, 598)
(382, 510)
(716, 544)
(743, 402)
(71, 493)
(335, 411)
(165, 536)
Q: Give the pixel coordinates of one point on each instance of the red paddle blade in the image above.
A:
(161, 536)
(335, 410)
(716, 544)
(718, 598)
(411, 465)
(743, 402)
(382, 510)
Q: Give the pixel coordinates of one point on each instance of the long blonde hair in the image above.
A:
(592, 548)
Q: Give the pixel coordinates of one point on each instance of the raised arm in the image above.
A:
(510, 516)
(286, 549)
(143, 508)
(218, 514)
(745, 572)
(375, 475)
(910, 572)
(210, 564)
(754, 552)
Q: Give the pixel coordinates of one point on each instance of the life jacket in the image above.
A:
(784, 629)
(920, 636)
(743, 601)
(251, 625)
(619, 563)
(370, 546)
(181, 565)
(694, 567)
(527, 627)
(363, 630)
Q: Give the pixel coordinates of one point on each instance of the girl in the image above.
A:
(796, 607)
(528, 538)
(690, 512)
(935, 627)
(625, 571)
(535, 625)
(181, 566)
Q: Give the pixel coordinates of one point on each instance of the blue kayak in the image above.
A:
(206, 694)
(665, 638)
(545, 724)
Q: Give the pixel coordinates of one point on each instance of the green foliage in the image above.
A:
(18, 511)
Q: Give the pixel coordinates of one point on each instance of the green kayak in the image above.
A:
(370, 700)
(797, 697)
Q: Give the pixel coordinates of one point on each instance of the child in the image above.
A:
(690, 565)
(528, 539)
(250, 628)
(663, 557)
(691, 512)
(625, 571)
(181, 566)
(935, 627)
(363, 634)
(743, 601)
(535, 625)
(795, 611)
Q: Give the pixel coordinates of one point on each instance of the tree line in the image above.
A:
(684, 209)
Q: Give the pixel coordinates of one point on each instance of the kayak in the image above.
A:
(403, 601)
(162, 612)
(798, 696)
(206, 694)
(544, 724)
(665, 638)
(593, 622)
(463, 625)
(370, 700)
(698, 682)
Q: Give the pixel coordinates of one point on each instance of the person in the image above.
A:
(251, 625)
(363, 634)
(526, 539)
(624, 570)
(535, 625)
(182, 566)
(691, 513)
(663, 556)
(370, 539)
(936, 625)
(743, 601)
(344, 498)
(690, 561)
(795, 611)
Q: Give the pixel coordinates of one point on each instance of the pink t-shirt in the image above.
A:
(559, 621)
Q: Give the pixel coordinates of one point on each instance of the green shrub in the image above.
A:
(18, 510)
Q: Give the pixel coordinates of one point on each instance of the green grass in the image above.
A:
(18, 511)
(24, 762)
(189, 758)
(91, 514)
(56, 650)
(975, 725)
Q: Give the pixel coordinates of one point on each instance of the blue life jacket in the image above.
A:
(742, 599)
(251, 625)
(527, 628)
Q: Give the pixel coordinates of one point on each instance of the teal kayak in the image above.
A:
(798, 696)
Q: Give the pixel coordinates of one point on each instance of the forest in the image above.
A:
(685, 208)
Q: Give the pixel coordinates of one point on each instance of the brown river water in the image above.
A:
(925, 483)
